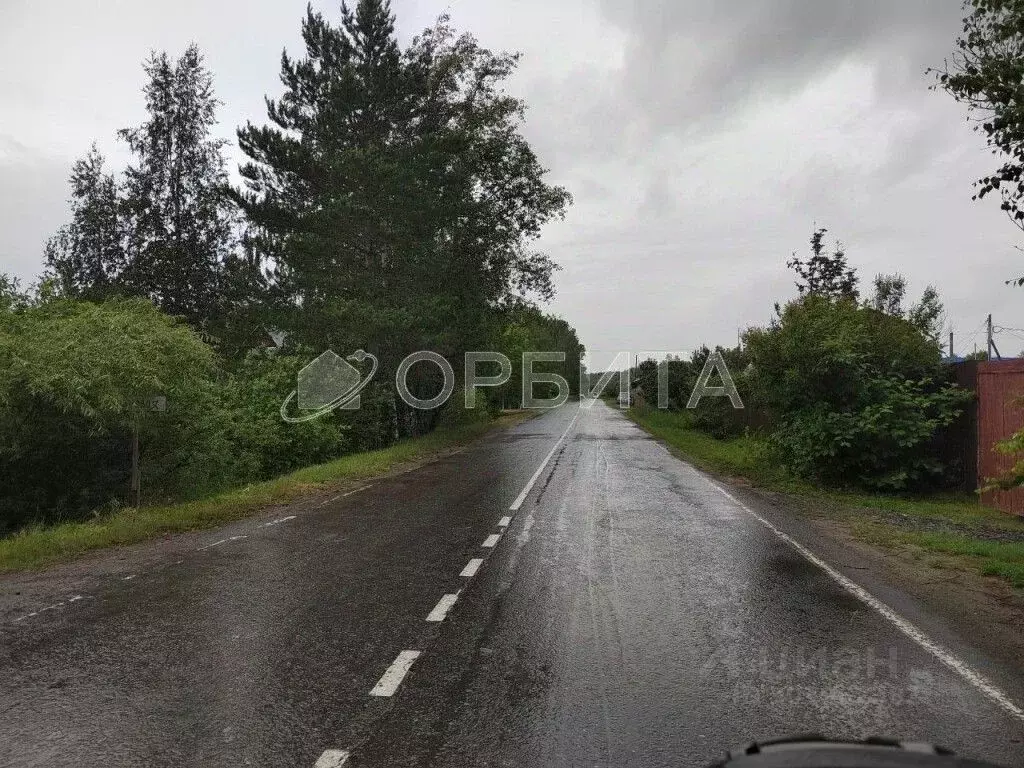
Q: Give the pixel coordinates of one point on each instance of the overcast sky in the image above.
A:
(702, 142)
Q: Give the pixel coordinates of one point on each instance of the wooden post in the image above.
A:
(136, 474)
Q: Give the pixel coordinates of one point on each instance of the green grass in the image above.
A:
(1004, 559)
(889, 521)
(42, 545)
(743, 457)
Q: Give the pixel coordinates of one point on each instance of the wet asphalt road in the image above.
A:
(630, 615)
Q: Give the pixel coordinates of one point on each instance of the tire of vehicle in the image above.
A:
(814, 751)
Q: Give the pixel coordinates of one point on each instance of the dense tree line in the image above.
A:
(847, 390)
(390, 203)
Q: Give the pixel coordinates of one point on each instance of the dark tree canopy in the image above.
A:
(86, 257)
(927, 315)
(181, 226)
(392, 193)
(166, 231)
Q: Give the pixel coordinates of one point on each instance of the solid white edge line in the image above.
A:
(491, 540)
(908, 629)
(536, 475)
(357, 490)
(472, 567)
(393, 675)
(443, 606)
(505, 522)
(223, 541)
(332, 758)
(343, 495)
(53, 607)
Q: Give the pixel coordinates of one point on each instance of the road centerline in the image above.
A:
(536, 475)
(393, 676)
(332, 758)
(444, 605)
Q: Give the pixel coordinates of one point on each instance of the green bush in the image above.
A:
(249, 399)
(855, 394)
(714, 416)
(75, 381)
(882, 441)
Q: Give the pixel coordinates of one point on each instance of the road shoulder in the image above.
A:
(977, 617)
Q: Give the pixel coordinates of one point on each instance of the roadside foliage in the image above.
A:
(843, 391)
(390, 204)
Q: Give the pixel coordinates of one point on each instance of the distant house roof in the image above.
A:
(278, 337)
(271, 339)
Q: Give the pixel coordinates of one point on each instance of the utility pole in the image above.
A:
(950, 345)
(991, 341)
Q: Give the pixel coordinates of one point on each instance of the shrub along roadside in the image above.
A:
(857, 394)
(39, 546)
(849, 392)
(955, 529)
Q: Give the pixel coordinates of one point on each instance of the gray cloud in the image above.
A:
(32, 202)
(695, 59)
(702, 141)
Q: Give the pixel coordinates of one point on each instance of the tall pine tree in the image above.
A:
(167, 231)
(181, 222)
(393, 191)
(86, 257)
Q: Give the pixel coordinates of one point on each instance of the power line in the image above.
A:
(974, 335)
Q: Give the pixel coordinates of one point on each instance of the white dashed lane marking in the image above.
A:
(133, 576)
(392, 678)
(343, 495)
(443, 606)
(53, 607)
(332, 758)
(505, 522)
(472, 567)
(357, 490)
(491, 541)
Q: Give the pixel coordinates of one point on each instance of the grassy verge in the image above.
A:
(39, 546)
(990, 557)
(957, 528)
(743, 457)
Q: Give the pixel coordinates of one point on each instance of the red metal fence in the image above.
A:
(999, 385)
